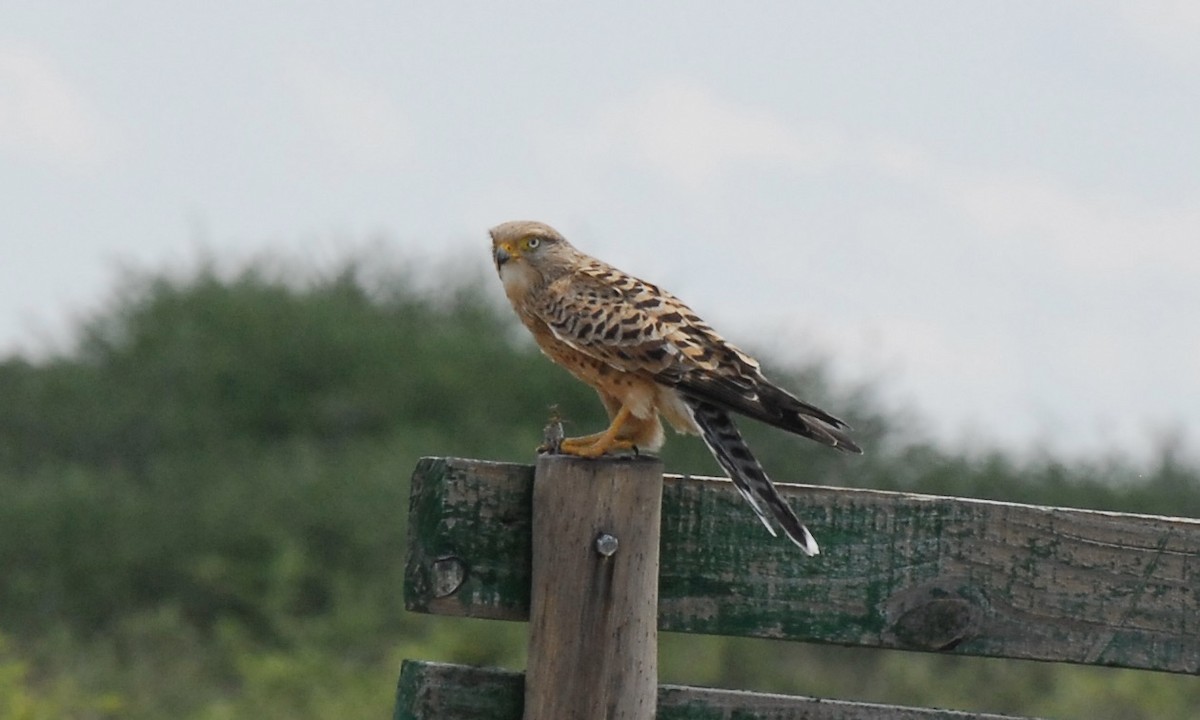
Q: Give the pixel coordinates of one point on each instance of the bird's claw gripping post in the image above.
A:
(602, 443)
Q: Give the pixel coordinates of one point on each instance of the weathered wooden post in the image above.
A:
(593, 637)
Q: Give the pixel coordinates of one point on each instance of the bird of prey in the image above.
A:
(649, 355)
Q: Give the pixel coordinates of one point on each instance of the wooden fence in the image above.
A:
(898, 570)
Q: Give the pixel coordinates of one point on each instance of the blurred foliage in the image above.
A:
(22, 698)
(202, 507)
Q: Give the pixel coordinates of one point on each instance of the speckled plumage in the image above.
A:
(647, 354)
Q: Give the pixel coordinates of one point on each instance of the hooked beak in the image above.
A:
(503, 254)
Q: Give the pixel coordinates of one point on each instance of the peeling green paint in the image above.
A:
(897, 570)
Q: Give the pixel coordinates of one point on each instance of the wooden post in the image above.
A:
(593, 637)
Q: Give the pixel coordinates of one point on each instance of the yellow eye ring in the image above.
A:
(533, 242)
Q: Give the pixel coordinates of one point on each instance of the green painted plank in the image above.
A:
(454, 567)
(897, 570)
(428, 691)
(434, 691)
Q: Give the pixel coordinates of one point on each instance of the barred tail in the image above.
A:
(731, 451)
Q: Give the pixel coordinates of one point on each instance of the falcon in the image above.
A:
(649, 356)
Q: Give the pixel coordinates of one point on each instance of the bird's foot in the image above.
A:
(597, 444)
(593, 446)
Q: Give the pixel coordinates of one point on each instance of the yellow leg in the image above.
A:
(593, 446)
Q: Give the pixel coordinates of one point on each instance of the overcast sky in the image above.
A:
(993, 209)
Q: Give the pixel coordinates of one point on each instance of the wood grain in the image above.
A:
(593, 637)
(434, 691)
(897, 570)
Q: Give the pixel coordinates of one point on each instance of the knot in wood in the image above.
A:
(448, 575)
(937, 624)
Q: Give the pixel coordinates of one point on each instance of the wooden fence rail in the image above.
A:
(435, 690)
(897, 570)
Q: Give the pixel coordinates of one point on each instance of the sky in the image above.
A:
(991, 211)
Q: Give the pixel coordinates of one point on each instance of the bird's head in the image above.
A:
(528, 253)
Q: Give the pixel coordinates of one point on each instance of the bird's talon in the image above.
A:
(597, 449)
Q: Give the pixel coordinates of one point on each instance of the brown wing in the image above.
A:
(635, 327)
(625, 322)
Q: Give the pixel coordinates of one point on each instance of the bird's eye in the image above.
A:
(533, 242)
